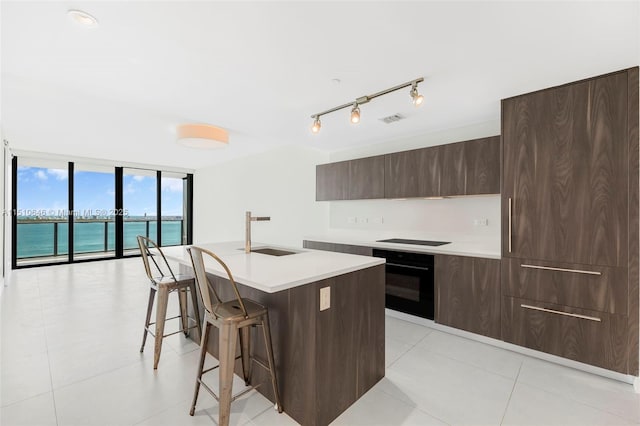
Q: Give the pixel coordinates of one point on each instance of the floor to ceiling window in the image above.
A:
(173, 207)
(70, 211)
(140, 205)
(93, 211)
(41, 218)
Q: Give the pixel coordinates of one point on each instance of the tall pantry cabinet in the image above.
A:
(570, 221)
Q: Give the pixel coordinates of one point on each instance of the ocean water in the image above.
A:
(36, 239)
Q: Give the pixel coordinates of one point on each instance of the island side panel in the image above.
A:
(350, 355)
(370, 328)
(299, 348)
(336, 355)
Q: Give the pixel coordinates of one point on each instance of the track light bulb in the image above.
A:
(416, 97)
(316, 125)
(355, 114)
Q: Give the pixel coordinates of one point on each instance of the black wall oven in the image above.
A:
(409, 282)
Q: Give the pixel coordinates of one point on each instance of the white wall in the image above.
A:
(421, 217)
(279, 183)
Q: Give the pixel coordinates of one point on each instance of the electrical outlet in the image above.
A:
(480, 222)
(325, 298)
(363, 220)
(352, 219)
(376, 219)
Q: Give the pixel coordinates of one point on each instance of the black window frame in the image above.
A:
(119, 218)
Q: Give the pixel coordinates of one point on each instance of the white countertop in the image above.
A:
(274, 273)
(460, 245)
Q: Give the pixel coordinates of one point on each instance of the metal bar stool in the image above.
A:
(164, 281)
(232, 318)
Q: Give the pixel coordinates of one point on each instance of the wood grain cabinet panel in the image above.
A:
(468, 294)
(570, 201)
(332, 181)
(366, 178)
(415, 173)
(482, 157)
(566, 171)
(592, 337)
(462, 168)
(401, 174)
(350, 180)
(454, 171)
(598, 288)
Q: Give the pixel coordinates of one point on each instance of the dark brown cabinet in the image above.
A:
(599, 288)
(468, 294)
(350, 180)
(366, 178)
(332, 181)
(570, 221)
(454, 173)
(414, 173)
(482, 163)
(593, 337)
(566, 172)
(462, 168)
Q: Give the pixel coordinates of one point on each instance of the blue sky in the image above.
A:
(42, 189)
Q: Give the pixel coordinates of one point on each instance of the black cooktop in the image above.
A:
(416, 242)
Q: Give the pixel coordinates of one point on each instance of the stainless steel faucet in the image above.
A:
(248, 220)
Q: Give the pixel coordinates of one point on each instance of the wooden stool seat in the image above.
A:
(234, 318)
(163, 281)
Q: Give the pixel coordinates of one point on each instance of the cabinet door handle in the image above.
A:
(510, 204)
(549, 268)
(567, 314)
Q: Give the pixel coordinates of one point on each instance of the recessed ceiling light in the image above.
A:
(82, 18)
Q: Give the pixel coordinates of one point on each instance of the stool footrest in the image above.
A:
(214, 367)
(234, 397)
(191, 327)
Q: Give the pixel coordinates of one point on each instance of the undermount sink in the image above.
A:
(272, 251)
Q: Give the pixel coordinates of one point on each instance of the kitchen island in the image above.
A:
(325, 359)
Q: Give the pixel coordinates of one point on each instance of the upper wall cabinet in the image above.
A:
(566, 173)
(413, 173)
(470, 168)
(332, 181)
(463, 168)
(350, 180)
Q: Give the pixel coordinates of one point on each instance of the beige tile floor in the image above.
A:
(70, 340)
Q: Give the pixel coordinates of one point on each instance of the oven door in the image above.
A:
(409, 289)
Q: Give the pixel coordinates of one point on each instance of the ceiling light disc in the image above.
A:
(202, 136)
(82, 18)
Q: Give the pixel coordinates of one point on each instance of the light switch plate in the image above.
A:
(325, 298)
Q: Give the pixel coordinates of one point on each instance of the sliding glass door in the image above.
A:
(94, 211)
(173, 229)
(140, 204)
(41, 216)
(68, 211)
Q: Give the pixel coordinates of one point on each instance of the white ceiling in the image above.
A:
(261, 69)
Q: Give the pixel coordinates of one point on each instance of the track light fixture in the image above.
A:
(316, 125)
(416, 98)
(355, 114)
